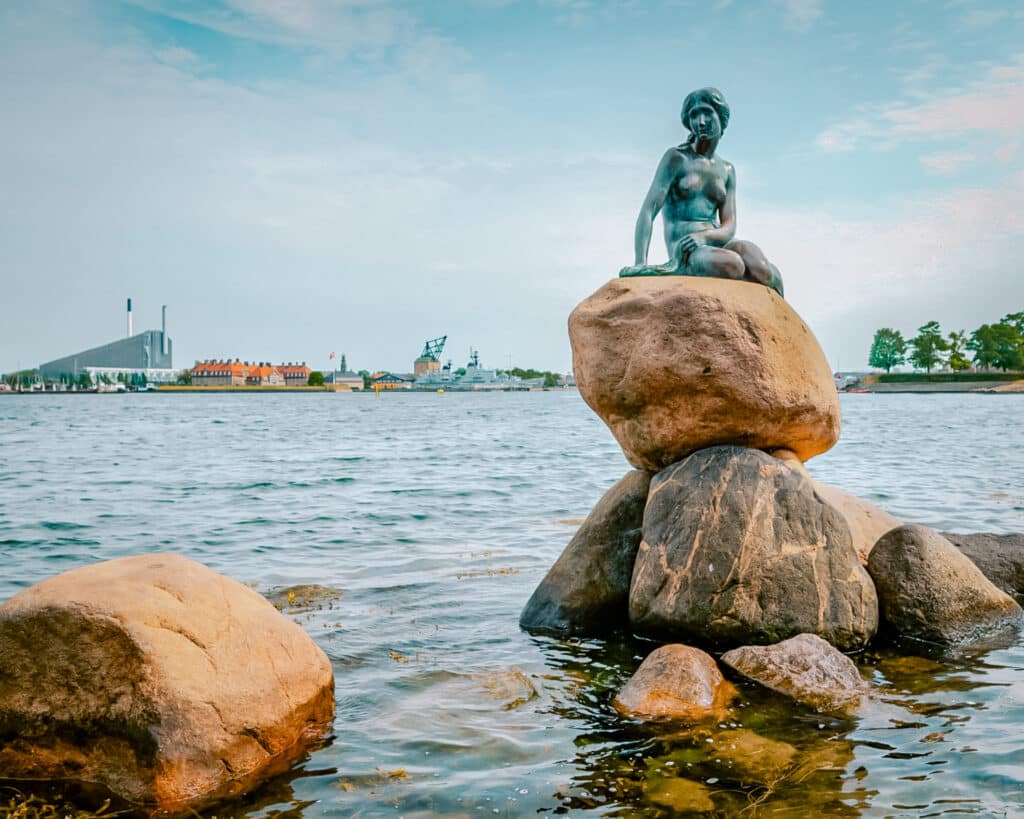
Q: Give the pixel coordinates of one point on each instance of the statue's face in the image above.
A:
(705, 122)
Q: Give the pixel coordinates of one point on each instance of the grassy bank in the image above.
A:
(945, 378)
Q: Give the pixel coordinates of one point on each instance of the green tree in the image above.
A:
(185, 377)
(550, 380)
(957, 344)
(888, 349)
(367, 381)
(1014, 319)
(84, 381)
(927, 347)
(316, 379)
(983, 344)
(1009, 347)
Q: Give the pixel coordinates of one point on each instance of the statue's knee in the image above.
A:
(731, 266)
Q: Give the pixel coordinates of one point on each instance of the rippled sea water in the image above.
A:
(435, 516)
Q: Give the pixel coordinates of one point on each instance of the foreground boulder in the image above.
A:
(805, 668)
(157, 678)
(677, 682)
(929, 590)
(1000, 557)
(587, 589)
(674, 364)
(866, 521)
(738, 548)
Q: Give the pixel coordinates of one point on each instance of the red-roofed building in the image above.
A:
(294, 374)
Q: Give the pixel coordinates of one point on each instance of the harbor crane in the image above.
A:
(433, 348)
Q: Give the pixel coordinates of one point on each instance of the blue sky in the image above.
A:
(295, 177)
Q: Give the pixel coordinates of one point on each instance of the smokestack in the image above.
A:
(129, 318)
(163, 329)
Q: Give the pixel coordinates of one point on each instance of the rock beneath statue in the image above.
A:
(676, 682)
(866, 521)
(157, 679)
(1000, 557)
(806, 668)
(929, 590)
(679, 363)
(738, 548)
(587, 590)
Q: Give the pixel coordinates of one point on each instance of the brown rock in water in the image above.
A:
(674, 364)
(677, 682)
(739, 549)
(157, 678)
(866, 521)
(805, 668)
(929, 590)
(1000, 557)
(587, 589)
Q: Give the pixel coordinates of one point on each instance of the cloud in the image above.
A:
(991, 105)
(947, 162)
(800, 15)
(923, 258)
(340, 28)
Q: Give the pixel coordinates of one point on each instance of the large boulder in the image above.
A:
(738, 548)
(674, 364)
(804, 667)
(866, 521)
(587, 589)
(929, 590)
(1000, 557)
(677, 682)
(158, 679)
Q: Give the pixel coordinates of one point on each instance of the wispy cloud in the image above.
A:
(800, 15)
(993, 104)
(947, 162)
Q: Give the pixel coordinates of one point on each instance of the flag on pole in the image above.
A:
(332, 355)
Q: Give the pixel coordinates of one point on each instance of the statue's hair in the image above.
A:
(709, 96)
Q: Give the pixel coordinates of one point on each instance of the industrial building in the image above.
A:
(147, 353)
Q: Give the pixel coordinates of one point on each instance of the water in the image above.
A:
(436, 516)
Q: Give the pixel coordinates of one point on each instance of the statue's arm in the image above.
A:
(726, 230)
(652, 205)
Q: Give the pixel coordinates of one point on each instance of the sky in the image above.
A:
(299, 177)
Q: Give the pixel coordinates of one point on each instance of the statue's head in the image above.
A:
(710, 103)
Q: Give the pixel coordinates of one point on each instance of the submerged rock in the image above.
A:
(303, 598)
(805, 668)
(587, 589)
(739, 549)
(1000, 557)
(929, 590)
(677, 682)
(674, 364)
(157, 678)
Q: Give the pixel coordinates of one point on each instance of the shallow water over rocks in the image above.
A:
(435, 516)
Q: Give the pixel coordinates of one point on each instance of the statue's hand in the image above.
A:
(688, 244)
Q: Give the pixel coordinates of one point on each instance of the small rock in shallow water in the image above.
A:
(677, 682)
(805, 668)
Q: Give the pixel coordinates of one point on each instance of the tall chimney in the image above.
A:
(163, 329)
(129, 318)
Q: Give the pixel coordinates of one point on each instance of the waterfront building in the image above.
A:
(392, 381)
(295, 375)
(227, 373)
(146, 354)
